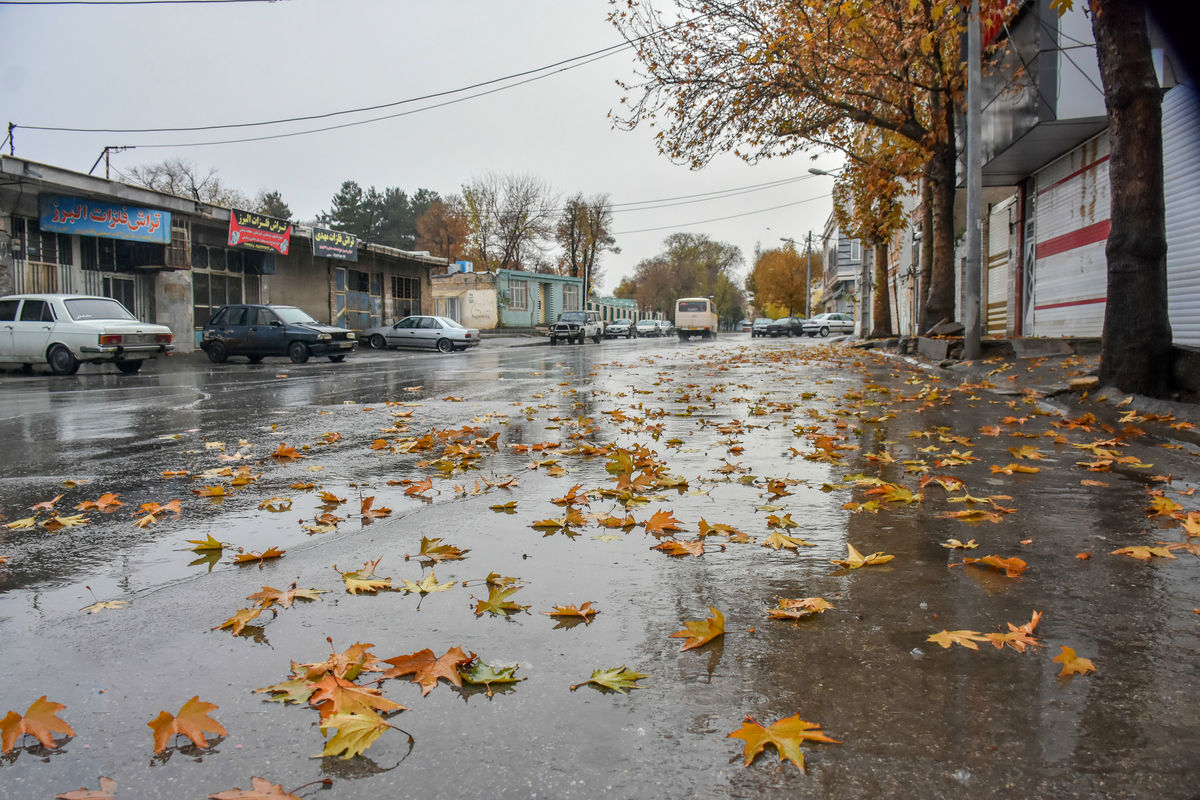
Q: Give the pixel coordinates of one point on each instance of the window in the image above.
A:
(221, 275)
(406, 296)
(692, 305)
(406, 323)
(265, 316)
(8, 310)
(36, 311)
(236, 316)
(119, 288)
(448, 307)
(428, 322)
(518, 295)
(855, 250)
(570, 297)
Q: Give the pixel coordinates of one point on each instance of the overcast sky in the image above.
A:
(146, 66)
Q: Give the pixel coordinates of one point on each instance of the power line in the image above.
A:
(124, 2)
(721, 219)
(721, 192)
(567, 63)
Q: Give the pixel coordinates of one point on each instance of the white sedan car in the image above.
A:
(63, 330)
(824, 324)
(421, 331)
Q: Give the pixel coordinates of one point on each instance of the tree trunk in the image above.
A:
(1136, 343)
(939, 301)
(881, 307)
(926, 269)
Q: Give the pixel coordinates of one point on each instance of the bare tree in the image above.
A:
(584, 232)
(184, 179)
(510, 218)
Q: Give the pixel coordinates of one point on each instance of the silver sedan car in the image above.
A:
(425, 332)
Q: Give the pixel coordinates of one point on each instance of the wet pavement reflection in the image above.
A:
(749, 430)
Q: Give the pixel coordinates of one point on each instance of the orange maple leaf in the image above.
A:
(372, 513)
(261, 789)
(678, 547)
(586, 611)
(39, 721)
(418, 488)
(246, 558)
(786, 734)
(1013, 567)
(426, 670)
(106, 502)
(192, 721)
(286, 453)
(698, 632)
(107, 791)
(336, 695)
(662, 522)
(1073, 664)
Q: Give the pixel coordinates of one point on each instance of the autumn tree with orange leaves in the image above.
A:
(868, 203)
(763, 79)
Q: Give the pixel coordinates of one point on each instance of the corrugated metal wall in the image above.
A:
(999, 272)
(1181, 171)
(1070, 268)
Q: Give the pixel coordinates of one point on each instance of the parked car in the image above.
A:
(575, 326)
(620, 327)
(744, 325)
(759, 327)
(831, 322)
(666, 328)
(648, 327)
(422, 331)
(786, 326)
(64, 330)
(256, 331)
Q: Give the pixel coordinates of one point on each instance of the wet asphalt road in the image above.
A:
(913, 719)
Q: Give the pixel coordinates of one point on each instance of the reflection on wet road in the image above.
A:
(736, 433)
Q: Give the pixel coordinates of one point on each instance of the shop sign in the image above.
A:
(86, 217)
(251, 231)
(335, 244)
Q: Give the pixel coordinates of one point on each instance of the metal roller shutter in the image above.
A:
(1070, 268)
(1181, 173)
(999, 258)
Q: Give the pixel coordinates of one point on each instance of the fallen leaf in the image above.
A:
(427, 585)
(698, 632)
(426, 669)
(1012, 567)
(355, 733)
(193, 721)
(786, 735)
(364, 580)
(240, 619)
(40, 721)
(781, 541)
(261, 789)
(481, 674)
(798, 607)
(1144, 552)
(1073, 664)
(955, 544)
(498, 602)
(618, 679)
(967, 639)
(252, 556)
(585, 611)
(107, 791)
(855, 559)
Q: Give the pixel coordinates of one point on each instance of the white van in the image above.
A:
(695, 316)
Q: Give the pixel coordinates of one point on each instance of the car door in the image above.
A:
(8, 315)
(428, 331)
(266, 334)
(230, 329)
(401, 334)
(32, 330)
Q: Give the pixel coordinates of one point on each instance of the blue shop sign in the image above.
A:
(61, 214)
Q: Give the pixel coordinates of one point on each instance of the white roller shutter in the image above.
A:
(1181, 172)
(1070, 268)
(999, 261)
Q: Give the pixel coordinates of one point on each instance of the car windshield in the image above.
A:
(693, 305)
(96, 308)
(572, 316)
(762, 321)
(293, 316)
(619, 322)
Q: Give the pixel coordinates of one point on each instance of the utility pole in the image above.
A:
(973, 278)
(807, 274)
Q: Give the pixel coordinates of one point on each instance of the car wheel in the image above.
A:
(553, 341)
(445, 346)
(62, 361)
(377, 342)
(579, 338)
(130, 367)
(339, 358)
(254, 359)
(217, 353)
(298, 352)
(824, 331)
(595, 340)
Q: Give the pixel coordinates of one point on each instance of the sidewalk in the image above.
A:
(1061, 378)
